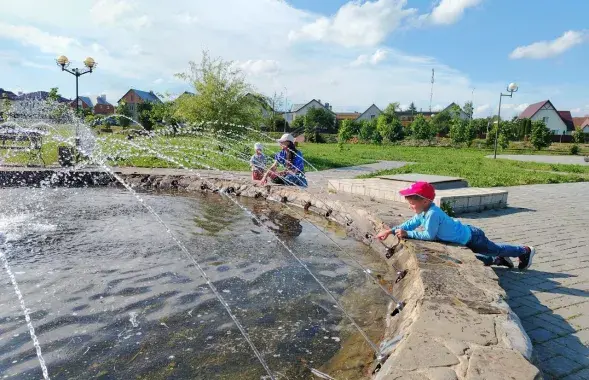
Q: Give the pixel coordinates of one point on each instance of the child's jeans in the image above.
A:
(486, 251)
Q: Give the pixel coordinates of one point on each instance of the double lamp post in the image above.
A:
(89, 63)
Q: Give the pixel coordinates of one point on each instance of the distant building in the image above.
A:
(372, 112)
(298, 110)
(135, 97)
(5, 94)
(103, 107)
(341, 116)
(581, 123)
(84, 102)
(559, 122)
(38, 95)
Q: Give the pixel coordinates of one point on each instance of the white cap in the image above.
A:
(286, 137)
(258, 146)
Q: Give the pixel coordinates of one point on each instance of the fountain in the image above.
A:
(115, 283)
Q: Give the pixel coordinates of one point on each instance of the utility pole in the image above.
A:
(431, 94)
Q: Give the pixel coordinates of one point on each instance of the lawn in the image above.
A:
(231, 153)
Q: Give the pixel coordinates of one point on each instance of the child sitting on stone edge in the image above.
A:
(258, 163)
(437, 225)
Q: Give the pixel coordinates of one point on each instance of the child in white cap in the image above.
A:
(258, 163)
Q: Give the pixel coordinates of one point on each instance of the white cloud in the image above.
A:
(259, 66)
(482, 110)
(450, 11)
(187, 18)
(547, 49)
(110, 11)
(31, 36)
(158, 81)
(374, 59)
(357, 23)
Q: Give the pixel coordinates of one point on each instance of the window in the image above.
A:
(545, 119)
(372, 116)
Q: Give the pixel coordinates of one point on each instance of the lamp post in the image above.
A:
(89, 63)
(285, 107)
(511, 89)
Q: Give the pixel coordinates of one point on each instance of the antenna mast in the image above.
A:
(431, 94)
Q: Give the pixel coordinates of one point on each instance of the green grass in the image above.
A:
(203, 152)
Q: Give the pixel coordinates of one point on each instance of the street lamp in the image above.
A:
(90, 64)
(511, 89)
(285, 107)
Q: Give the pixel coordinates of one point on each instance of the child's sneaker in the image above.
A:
(525, 260)
(503, 262)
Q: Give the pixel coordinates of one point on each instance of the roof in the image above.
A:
(102, 100)
(373, 105)
(415, 113)
(347, 115)
(532, 109)
(144, 95)
(86, 101)
(8, 94)
(297, 107)
(39, 95)
(581, 121)
(568, 119)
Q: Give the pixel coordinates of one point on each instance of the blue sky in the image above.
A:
(350, 54)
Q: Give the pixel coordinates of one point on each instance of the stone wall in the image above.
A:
(455, 323)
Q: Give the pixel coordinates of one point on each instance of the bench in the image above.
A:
(23, 139)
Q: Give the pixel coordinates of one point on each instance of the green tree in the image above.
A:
(462, 131)
(389, 127)
(392, 108)
(320, 118)
(441, 122)
(163, 113)
(368, 132)
(578, 136)
(347, 130)
(422, 129)
(412, 108)
(123, 110)
(221, 94)
(468, 109)
(53, 94)
(5, 108)
(541, 136)
(144, 115)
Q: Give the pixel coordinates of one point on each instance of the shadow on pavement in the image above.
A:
(555, 332)
(486, 214)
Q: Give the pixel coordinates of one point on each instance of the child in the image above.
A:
(437, 225)
(258, 163)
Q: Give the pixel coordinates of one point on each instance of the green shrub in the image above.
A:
(574, 150)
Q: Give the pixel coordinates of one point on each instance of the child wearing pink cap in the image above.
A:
(437, 225)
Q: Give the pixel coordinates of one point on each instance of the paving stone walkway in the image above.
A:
(552, 298)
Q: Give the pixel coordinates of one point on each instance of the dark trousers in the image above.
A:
(486, 251)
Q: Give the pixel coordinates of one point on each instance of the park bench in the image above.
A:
(29, 140)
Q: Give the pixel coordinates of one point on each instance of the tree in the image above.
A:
(164, 113)
(468, 109)
(320, 118)
(541, 136)
(144, 115)
(5, 107)
(222, 94)
(392, 108)
(578, 136)
(368, 132)
(462, 131)
(441, 122)
(389, 127)
(347, 130)
(53, 95)
(123, 110)
(422, 129)
(412, 108)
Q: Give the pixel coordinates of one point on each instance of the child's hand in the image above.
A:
(384, 234)
(401, 234)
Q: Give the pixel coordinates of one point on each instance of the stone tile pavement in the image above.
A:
(571, 160)
(552, 298)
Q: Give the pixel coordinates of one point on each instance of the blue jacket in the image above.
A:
(437, 225)
(297, 165)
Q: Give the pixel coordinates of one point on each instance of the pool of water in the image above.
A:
(112, 297)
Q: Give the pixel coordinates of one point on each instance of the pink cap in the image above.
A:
(423, 189)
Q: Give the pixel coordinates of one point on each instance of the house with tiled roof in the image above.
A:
(134, 97)
(559, 122)
(298, 110)
(371, 112)
(341, 116)
(84, 102)
(582, 123)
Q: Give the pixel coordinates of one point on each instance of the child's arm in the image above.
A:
(431, 225)
(409, 225)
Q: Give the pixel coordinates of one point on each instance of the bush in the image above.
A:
(578, 136)
(574, 150)
(541, 135)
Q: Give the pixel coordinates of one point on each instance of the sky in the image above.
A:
(350, 54)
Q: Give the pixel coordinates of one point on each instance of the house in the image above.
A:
(341, 116)
(559, 122)
(5, 94)
(582, 123)
(461, 113)
(103, 107)
(298, 110)
(371, 112)
(407, 117)
(135, 97)
(265, 106)
(84, 102)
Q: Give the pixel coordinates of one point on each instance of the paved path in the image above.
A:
(552, 298)
(570, 160)
(319, 179)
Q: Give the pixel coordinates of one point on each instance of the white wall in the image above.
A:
(371, 113)
(553, 121)
(586, 129)
(303, 111)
